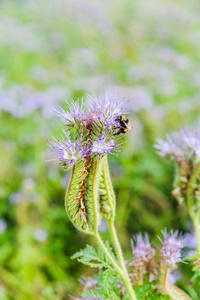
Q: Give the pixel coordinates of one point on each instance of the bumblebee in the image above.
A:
(123, 125)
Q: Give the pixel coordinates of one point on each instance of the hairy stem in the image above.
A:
(192, 205)
(172, 290)
(197, 231)
(123, 274)
(111, 199)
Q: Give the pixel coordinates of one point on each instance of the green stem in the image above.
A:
(172, 290)
(117, 246)
(197, 231)
(122, 272)
(190, 205)
(111, 199)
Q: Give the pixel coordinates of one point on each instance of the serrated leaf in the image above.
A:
(107, 275)
(95, 259)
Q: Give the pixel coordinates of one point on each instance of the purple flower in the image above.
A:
(75, 114)
(3, 225)
(94, 124)
(105, 109)
(88, 283)
(40, 235)
(168, 149)
(103, 146)
(174, 276)
(171, 247)
(66, 151)
(180, 146)
(142, 249)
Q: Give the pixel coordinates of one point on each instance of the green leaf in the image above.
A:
(107, 275)
(95, 259)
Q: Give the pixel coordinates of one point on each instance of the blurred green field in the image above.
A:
(51, 51)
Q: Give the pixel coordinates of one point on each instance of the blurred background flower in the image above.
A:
(147, 51)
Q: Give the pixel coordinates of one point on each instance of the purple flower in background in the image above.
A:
(168, 148)
(171, 247)
(174, 276)
(3, 225)
(180, 146)
(190, 240)
(88, 283)
(40, 235)
(142, 249)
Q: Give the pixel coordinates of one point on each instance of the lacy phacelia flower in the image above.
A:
(183, 145)
(75, 114)
(184, 148)
(103, 146)
(171, 247)
(142, 250)
(143, 261)
(90, 129)
(66, 151)
(105, 110)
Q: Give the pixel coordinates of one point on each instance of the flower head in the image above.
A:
(105, 110)
(183, 145)
(103, 146)
(66, 151)
(142, 249)
(171, 247)
(74, 115)
(94, 125)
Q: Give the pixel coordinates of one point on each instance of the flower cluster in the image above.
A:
(148, 259)
(143, 261)
(171, 247)
(90, 129)
(184, 148)
(180, 146)
(142, 249)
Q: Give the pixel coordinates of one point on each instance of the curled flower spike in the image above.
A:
(89, 136)
(91, 132)
(171, 247)
(184, 148)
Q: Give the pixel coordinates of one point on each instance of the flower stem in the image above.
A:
(117, 246)
(123, 275)
(192, 204)
(121, 271)
(172, 290)
(111, 198)
(197, 231)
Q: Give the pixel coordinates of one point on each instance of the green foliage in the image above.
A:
(95, 259)
(148, 292)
